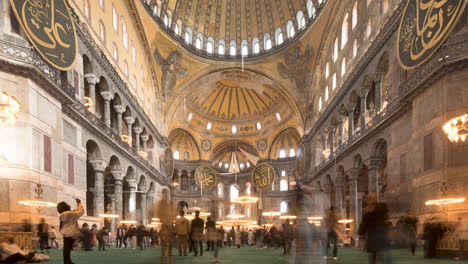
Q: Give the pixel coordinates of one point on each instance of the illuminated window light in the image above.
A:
(278, 116)
(234, 129)
(220, 164)
(282, 154)
(209, 126)
(190, 116)
(226, 165)
(248, 164)
(283, 173)
(445, 201)
(292, 153)
(241, 166)
(259, 126)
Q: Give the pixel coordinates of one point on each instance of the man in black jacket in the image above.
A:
(197, 233)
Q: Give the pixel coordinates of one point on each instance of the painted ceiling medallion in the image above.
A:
(206, 145)
(262, 145)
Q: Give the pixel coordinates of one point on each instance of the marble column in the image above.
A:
(132, 199)
(143, 204)
(91, 79)
(118, 182)
(378, 95)
(137, 131)
(112, 198)
(353, 198)
(327, 190)
(339, 200)
(144, 140)
(363, 113)
(99, 166)
(107, 97)
(129, 121)
(350, 123)
(331, 141)
(119, 109)
(149, 204)
(179, 180)
(374, 176)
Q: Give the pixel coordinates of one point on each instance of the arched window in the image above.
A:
(115, 18)
(133, 53)
(87, 9)
(283, 173)
(221, 210)
(233, 192)
(178, 27)
(327, 70)
(186, 155)
(343, 67)
(102, 31)
(124, 33)
(279, 36)
(232, 48)
(384, 6)
(283, 185)
(221, 47)
(335, 50)
(284, 207)
(176, 155)
(300, 20)
(101, 3)
(290, 29)
(166, 20)
(326, 93)
(344, 31)
(292, 153)
(310, 9)
(255, 45)
(126, 68)
(169, 18)
(320, 104)
(210, 45)
(115, 51)
(155, 10)
(355, 48)
(334, 81)
(199, 41)
(369, 27)
(267, 41)
(354, 18)
(248, 188)
(282, 154)
(244, 48)
(188, 35)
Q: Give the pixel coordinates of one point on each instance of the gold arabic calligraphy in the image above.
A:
(424, 27)
(205, 177)
(263, 176)
(50, 28)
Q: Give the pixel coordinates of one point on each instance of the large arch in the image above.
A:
(286, 140)
(182, 141)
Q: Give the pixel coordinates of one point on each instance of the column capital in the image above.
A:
(129, 120)
(119, 109)
(144, 138)
(132, 183)
(118, 175)
(98, 165)
(142, 190)
(138, 130)
(91, 78)
(106, 95)
(111, 196)
(354, 174)
(374, 163)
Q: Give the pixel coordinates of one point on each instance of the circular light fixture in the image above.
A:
(457, 128)
(271, 213)
(245, 199)
(288, 217)
(314, 218)
(9, 108)
(345, 221)
(445, 201)
(128, 222)
(38, 204)
(236, 216)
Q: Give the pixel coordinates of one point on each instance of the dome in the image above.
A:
(227, 28)
(183, 145)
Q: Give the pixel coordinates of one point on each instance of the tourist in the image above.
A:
(197, 233)
(461, 231)
(288, 235)
(374, 229)
(250, 239)
(140, 234)
(93, 231)
(69, 227)
(10, 252)
(219, 243)
(410, 228)
(231, 235)
(238, 237)
(120, 234)
(433, 232)
(100, 236)
(182, 231)
(225, 239)
(43, 234)
(330, 224)
(165, 213)
(53, 236)
(210, 234)
(86, 237)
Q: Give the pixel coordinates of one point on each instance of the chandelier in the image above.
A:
(245, 199)
(9, 108)
(271, 213)
(88, 102)
(236, 222)
(457, 128)
(445, 201)
(39, 204)
(345, 221)
(236, 216)
(3, 160)
(109, 215)
(128, 222)
(288, 217)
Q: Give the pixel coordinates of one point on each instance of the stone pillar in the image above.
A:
(99, 166)
(340, 133)
(137, 131)
(143, 204)
(339, 200)
(144, 140)
(331, 141)
(107, 97)
(179, 180)
(132, 199)
(374, 176)
(112, 198)
(363, 112)
(353, 198)
(118, 182)
(129, 121)
(327, 189)
(119, 110)
(378, 94)
(91, 79)
(149, 204)
(350, 123)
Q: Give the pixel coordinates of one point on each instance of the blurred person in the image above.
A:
(140, 234)
(374, 229)
(461, 231)
(182, 232)
(250, 239)
(219, 244)
(69, 227)
(93, 231)
(86, 237)
(53, 236)
(100, 236)
(132, 236)
(288, 235)
(409, 229)
(210, 234)
(433, 232)
(165, 213)
(43, 234)
(120, 234)
(10, 252)
(330, 224)
(231, 235)
(196, 230)
(238, 237)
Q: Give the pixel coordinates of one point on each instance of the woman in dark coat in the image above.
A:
(374, 229)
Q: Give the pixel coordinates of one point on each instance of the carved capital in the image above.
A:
(144, 138)
(138, 130)
(106, 95)
(118, 175)
(119, 109)
(91, 78)
(98, 165)
(129, 120)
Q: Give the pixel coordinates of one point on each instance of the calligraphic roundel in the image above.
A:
(263, 176)
(168, 162)
(50, 28)
(424, 27)
(205, 177)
